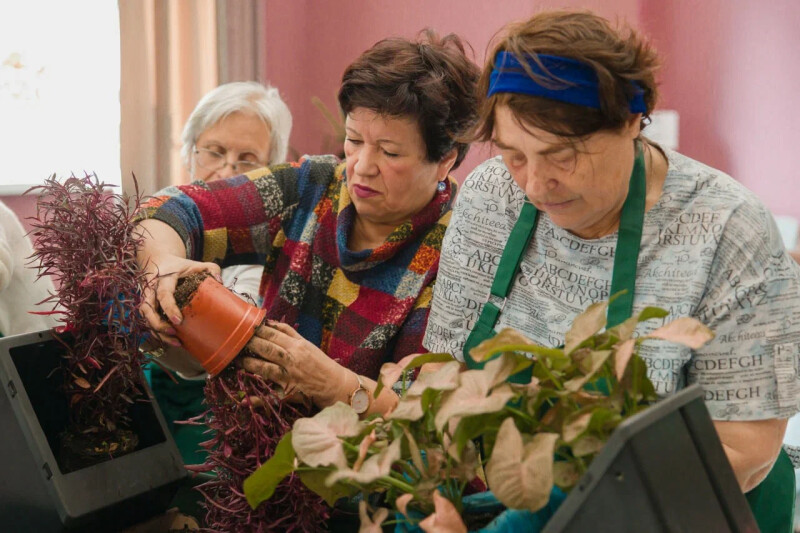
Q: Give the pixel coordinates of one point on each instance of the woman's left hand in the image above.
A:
(297, 365)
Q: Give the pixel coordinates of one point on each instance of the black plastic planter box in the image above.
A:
(38, 494)
(663, 470)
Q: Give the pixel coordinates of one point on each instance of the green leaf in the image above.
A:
(603, 419)
(652, 312)
(470, 427)
(315, 481)
(260, 485)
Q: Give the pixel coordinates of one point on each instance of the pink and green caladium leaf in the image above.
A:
(587, 445)
(316, 440)
(684, 330)
(445, 517)
(625, 330)
(445, 378)
(473, 397)
(391, 372)
(514, 344)
(574, 426)
(466, 468)
(521, 475)
(407, 409)
(585, 325)
(371, 525)
(508, 337)
(401, 503)
(363, 449)
(622, 355)
(377, 466)
(589, 365)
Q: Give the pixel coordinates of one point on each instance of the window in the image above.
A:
(59, 91)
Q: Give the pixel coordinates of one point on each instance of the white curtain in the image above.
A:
(169, 60)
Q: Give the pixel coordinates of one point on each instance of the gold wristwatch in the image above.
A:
(360, 398)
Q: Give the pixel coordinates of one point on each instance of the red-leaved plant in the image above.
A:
(83, 238)
(247, 418)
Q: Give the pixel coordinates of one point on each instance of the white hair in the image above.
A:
(241, 96)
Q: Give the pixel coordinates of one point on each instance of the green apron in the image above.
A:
(181, 401)
(772, 501)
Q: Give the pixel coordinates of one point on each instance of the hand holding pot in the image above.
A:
(294, 363)
(163, 272)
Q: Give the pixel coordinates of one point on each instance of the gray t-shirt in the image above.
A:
(709, 250)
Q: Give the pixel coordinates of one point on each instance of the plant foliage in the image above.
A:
(247, 418)
(535, 436)
(83, 238)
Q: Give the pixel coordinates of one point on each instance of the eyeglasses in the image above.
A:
(212, 161)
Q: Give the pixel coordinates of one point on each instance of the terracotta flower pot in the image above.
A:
(216, 325)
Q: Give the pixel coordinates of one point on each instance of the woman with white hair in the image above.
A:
(235, 128)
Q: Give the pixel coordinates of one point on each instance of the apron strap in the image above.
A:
(629, 240)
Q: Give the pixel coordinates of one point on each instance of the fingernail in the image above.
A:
(175, 319)
(171, 331)
(218, 277)
(175, 342)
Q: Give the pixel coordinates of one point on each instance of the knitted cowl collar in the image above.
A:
(403, 235)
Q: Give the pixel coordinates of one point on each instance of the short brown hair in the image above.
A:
(619, 56)
(430, 80)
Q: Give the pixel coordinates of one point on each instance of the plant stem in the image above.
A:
(396, 483)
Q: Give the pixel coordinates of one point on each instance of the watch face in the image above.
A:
(360, 401)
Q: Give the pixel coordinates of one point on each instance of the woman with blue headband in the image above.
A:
(579, 206)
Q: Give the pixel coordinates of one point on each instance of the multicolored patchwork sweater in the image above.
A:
(361, 308)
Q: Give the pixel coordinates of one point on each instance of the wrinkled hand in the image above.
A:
(162, 278)
(445, 517)
(297, 365)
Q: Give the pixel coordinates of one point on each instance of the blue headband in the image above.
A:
(579, 79)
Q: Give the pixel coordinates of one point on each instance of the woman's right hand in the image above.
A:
(163, 272)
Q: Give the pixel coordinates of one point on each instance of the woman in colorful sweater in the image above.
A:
(351, 249)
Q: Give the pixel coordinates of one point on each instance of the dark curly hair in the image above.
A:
(430, 80)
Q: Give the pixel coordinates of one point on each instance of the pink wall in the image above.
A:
(23, 207)
(310, 43)
(731, 69)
